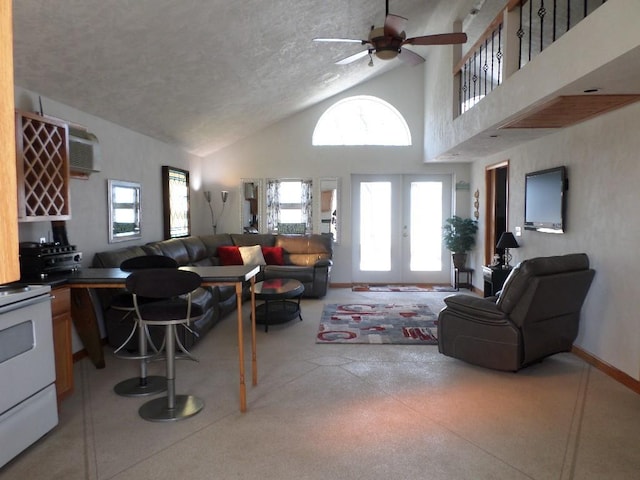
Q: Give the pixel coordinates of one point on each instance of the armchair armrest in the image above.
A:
(482, 309)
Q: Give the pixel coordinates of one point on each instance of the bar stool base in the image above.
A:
(139, 387)
(156, 410)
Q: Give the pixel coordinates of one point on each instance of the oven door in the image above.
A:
(26, 350)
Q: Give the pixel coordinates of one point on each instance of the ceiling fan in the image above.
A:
(386, 42)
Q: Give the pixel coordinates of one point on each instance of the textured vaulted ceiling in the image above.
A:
(200, 74)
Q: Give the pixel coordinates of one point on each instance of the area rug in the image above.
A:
(401, 288)
(378, 323)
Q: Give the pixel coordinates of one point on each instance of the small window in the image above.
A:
(289, 204)
(175, 202)
(362, 120)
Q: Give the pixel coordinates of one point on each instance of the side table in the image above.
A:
(468, 273)
(278, 307)
(494, 279)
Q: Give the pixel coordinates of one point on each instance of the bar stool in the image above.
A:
(144, 384)
(172, 288)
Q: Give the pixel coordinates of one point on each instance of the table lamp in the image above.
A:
(507, 241)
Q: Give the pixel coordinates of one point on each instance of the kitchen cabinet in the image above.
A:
(42, 165)
(61, 317)
(9, 265)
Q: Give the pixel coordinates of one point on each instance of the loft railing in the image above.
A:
(521, 31)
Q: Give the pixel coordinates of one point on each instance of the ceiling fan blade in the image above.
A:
(349, 40)
(394, 25)
(409, 57)
(438, 39)
(353, 58)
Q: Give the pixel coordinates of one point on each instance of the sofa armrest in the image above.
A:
(323, 262)
(482, 309)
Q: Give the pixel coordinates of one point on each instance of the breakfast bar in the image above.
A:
(83, 307)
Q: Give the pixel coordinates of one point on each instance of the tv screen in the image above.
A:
(545, 200)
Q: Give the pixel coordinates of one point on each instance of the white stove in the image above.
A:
(28, 407)
(16, 292)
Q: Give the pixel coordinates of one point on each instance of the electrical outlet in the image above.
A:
(518, 231)
(43, 240)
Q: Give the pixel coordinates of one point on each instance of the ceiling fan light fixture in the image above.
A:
(386, 53)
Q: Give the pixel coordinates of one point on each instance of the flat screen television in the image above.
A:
(545, 200)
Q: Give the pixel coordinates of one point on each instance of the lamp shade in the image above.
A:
(507, 240)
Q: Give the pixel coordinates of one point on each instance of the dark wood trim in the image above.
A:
(618, 375)
(490, 208)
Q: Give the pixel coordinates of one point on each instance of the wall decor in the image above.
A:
(476, 204)
(124, 210)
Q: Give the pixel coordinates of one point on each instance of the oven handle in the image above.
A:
(25, 303)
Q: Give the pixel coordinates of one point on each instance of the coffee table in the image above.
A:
(277, 295)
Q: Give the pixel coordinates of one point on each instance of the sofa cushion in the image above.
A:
(229, 255)
(248, 239)
(196, 249)
(252, 255)
(173, 248)
(113, 258)
(273, 255)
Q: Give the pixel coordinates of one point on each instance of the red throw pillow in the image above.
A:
(273, 255)
(230, 255)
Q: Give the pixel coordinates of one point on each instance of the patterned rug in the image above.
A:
(390, 323)
(401, 288)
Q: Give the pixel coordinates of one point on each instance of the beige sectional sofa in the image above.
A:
(307, 258)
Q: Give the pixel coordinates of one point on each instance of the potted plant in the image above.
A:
(459, 235)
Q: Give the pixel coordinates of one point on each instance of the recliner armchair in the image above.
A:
(535, 315)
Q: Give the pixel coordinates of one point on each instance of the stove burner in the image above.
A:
(9, 289)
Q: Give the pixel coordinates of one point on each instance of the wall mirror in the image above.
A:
(330, 207)
(175, 202)
(124, 211)
(250, 194)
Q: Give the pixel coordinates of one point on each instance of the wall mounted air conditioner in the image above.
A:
(84, 151)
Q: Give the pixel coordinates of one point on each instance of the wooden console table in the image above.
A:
(83, 308)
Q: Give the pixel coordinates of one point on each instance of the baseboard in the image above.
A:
(607, 369)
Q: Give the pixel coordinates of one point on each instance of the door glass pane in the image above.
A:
(375, 226)
(426, 226)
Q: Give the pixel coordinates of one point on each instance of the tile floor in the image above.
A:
(346, 412)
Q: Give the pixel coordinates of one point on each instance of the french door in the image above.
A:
(397, 228)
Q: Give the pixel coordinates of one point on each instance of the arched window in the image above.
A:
(362, 120)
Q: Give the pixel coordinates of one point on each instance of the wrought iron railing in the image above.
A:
(491, 59)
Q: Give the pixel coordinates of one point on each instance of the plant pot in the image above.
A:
(459, 259)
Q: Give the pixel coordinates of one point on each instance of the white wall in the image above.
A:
(284, 150)
(126, 155)
(601, 156)
(603, 169)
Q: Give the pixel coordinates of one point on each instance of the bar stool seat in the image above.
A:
(144, 384)
(172, 288)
